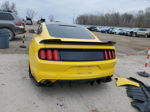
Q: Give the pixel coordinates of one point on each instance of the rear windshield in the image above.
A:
(68, 31)
(6, 16)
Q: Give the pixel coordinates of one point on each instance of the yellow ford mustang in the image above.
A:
(69, 52)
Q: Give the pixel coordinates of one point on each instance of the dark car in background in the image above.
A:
(111, 30)
(28, 21)
(105, 30)
(94, 28)
(11, 22)
(91, 28)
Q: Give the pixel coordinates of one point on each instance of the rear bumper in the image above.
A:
(50, 70)
(101, 79)
(20, 30)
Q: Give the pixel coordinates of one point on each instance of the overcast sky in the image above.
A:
(65, 10)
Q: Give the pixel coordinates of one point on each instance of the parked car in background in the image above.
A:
(129, 31)
(94, 28)
(99, 29)
(105, 30)
(141, 32)
(28, 21)
(119, 31)
(111, 30)
(12, 23)
(91, 28)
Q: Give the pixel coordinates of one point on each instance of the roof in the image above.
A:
(63, 24)
(6, 11)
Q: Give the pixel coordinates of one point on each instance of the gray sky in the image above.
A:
(65, 10)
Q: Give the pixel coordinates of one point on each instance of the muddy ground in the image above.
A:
(19, 94)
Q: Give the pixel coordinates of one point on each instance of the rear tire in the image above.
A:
(11, 34)
(134, 34)
(146, 35)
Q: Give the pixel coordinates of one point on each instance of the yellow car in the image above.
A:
(64, 52)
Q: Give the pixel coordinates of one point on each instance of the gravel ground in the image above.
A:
(19, 94)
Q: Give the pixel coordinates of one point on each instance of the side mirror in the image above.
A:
(32, 31)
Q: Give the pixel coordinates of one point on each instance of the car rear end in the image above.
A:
(72, 61)
(11, 21)
(19, 25)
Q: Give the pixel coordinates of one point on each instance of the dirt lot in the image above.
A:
(19, 94)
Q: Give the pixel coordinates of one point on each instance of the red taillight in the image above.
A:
(20, 24)
(109, 54)
(48, 54)
(106, 54)
(55, 55)
(42, 54)
(113, 53)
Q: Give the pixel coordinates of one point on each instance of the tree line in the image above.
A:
(11, 6)
(140, 19)
(30, 13)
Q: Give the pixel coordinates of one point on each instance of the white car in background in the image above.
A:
(141, 32)
(119, 31)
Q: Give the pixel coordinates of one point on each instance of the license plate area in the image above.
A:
(81, 55)
(85, 69)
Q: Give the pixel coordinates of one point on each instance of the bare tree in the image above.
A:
(51, 18)
(31, 13)
(140, 19)
(147, 17)
(7, 6)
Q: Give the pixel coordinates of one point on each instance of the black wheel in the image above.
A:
(146, 35)
(134, 34)
(130, 33)
(11, 34)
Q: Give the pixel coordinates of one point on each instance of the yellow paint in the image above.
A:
(61, 70)
(123, 82)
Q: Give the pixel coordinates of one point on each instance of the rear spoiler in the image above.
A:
(58, 41)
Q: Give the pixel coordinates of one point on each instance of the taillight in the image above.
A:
(109, 54)
(113, 54)
(55, 55)
(105, 54)
(42, 54)
(20, 23)
(49, 54)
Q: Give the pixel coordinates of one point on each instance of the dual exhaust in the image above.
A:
(92, 82)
